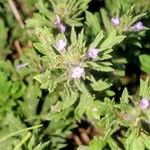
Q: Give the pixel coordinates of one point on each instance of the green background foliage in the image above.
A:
(42, 107)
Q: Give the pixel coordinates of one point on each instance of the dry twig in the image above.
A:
(16, 13)
(18, 47)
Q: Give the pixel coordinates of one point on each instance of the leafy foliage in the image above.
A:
(63, 64)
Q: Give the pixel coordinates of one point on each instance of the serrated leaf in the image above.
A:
(97, 40)
(144, 87)
(95, 109)
(73, 35)
(93, 22)
(107, 23)
(100, 67)
(69, 98)
(37, 21)
(112, 40)
(82, 106)
(124, 96)
(100, 85)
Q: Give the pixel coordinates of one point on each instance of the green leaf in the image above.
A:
(43, 9)
(100, 67)
(73, 36)
(42, 146)
(100, 85)
(113, 144)
(97, 40)
(97, 144)
(31, 100)
(130, 138)
(44, 35)
(93, 22)
(146, 140)
(112, 40)
(104, 55)
(73, 22)
(69, 97)
(5, 86)
(124, 96)
(95, 109)
(145, 61)
(107, 23)
(82, 106)
(144, 87)
(39, 47)
(138, 143)
(38, 20)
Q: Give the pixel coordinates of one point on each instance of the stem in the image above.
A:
(28, 135)
(17, 132)
(18, 47)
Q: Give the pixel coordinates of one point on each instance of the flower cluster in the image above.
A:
(77, 72)
(136, 27)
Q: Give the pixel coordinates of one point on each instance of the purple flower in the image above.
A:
(60, 45)
(144, 103)
(138, 26)
(77, 72)
(57, 21)
(59, 24)
(93, 53)
(115, 21)
(62, 28)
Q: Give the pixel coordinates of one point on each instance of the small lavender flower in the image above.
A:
(144, 103)
(19, 66)
(138, 26)
(115, 21)
(60, 25)
(60, 45)
(77, 72)
(93, 53)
